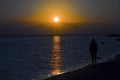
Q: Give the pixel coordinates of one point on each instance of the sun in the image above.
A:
(56, 19)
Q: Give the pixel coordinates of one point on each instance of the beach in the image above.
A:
(103, 71)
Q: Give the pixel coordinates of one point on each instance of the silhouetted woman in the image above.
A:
(93, 50)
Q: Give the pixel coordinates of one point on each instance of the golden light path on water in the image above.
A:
(56, 57)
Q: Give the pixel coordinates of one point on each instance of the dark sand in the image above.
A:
(102, 71)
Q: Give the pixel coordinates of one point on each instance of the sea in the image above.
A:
(39, 57)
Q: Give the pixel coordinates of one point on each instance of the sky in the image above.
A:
(68, 10)
(71, 13)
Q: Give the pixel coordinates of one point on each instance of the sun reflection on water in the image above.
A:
(56, 57)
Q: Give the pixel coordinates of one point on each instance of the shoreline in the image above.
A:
(102, 71)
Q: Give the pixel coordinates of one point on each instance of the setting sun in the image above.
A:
(56, 19)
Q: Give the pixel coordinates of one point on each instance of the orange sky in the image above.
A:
(69, 11)
(46, 13)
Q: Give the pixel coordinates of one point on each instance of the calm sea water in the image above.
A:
(34, 58)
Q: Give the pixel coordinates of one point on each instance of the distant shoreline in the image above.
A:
(52, 35)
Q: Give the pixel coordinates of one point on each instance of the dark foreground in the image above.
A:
(102, 71)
